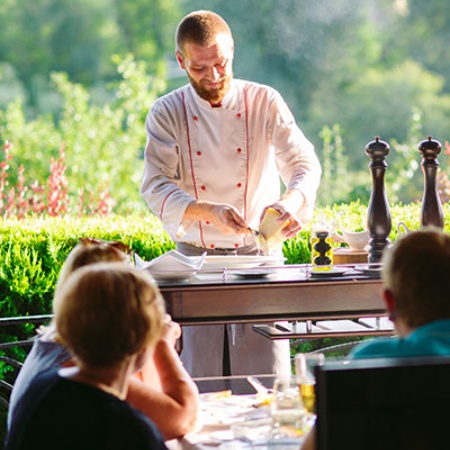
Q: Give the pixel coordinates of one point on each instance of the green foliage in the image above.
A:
(404, 180)
(381, 102)
(80, 38)
(343, 87)
(32, 252)
(298, 250)
(147, 30)
(103, 144)
(428, 41)
(332, 347)
(334, 168)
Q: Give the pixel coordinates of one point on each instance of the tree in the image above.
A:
(103, 143)
(381, 102)
(147, 30)
(290, 45)
(80, 39)
(422, 31)
(57, 35)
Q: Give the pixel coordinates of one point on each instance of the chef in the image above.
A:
(216, 150)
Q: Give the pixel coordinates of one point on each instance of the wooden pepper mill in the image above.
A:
(378, 216)
(431, 213)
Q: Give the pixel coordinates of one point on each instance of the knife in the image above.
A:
(260, 240)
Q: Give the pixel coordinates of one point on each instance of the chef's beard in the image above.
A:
(212, 95)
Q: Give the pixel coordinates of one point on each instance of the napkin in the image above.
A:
(173, 260)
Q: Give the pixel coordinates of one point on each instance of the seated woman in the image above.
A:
(161, 389)
(110, 316)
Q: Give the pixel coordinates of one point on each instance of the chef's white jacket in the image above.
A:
(233, 154)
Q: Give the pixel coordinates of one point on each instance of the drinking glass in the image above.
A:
(287, 410)
(306, 379)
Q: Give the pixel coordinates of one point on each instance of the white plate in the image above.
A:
(333, 272)
(252, 429)
(239, 261)
(253, 272)
(171, 275)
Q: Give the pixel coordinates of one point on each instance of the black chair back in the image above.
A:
(389, 403)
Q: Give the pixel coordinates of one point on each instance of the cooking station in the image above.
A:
(309, 306)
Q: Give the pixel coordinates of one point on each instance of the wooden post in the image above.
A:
(431, 212)
(378, 215)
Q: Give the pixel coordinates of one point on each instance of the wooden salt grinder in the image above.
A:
(431, 213)
(378, 215)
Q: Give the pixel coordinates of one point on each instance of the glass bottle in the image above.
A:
(321, 246)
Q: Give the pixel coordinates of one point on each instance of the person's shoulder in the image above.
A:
(51, 348)
(267, 97)
(256, 87)
(46, 375)
(43, 356)
(170, 99)
(376, 348)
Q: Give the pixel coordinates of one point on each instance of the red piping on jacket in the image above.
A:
(191, 164)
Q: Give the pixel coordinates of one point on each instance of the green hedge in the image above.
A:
(32, 251)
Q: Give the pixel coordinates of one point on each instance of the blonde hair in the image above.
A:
(107, 312)
(200, 28)
(90, 251)
(415, 270)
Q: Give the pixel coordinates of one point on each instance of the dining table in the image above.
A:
(281, 301)
(234, 415)
(284, 301)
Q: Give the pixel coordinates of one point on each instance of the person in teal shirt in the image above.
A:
(416, 291)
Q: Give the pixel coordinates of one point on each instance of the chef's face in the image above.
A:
(209, 68)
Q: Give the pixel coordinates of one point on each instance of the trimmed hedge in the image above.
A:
(33, 250)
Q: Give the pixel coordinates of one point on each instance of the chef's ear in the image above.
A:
(180, 59)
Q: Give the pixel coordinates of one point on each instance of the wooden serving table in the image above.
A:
(323, 306)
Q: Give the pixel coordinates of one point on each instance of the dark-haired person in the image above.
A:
(416, 291)
(216, 150)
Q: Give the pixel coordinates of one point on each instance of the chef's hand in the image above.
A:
(292, 227)
(227, 220)
(224, 217)
(288, 206)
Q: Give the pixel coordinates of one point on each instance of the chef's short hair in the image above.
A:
(200, 27)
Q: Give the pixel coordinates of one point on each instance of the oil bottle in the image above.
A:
(321, 246)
